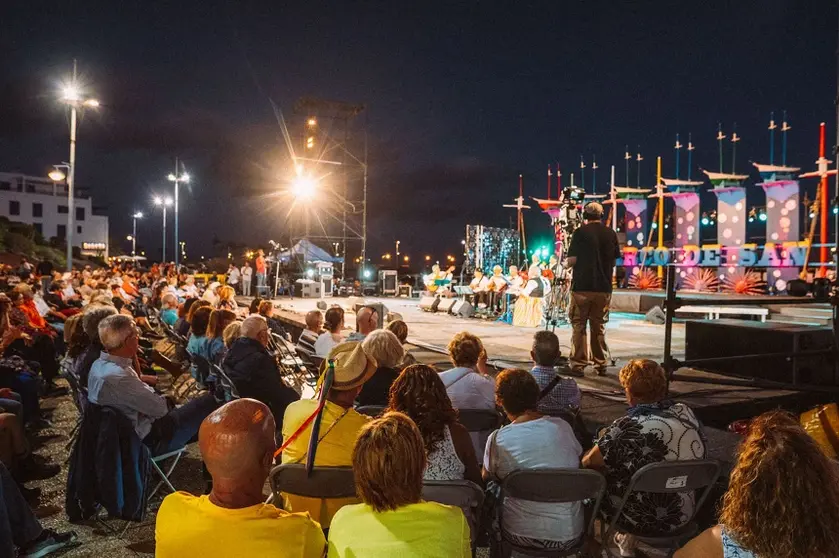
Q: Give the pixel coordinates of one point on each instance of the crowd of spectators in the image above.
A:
(396, 423)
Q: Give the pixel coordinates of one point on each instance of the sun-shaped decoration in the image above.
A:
(744, 282)
(644, 280)
(701, 280)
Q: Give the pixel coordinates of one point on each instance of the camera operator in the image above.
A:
(594, 249)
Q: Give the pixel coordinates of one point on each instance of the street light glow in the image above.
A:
(185, 177)
(158, 200)
(92, 103)
(171, 177)
(138, 215)
(71, 94)
(303, 187)
(56, 175)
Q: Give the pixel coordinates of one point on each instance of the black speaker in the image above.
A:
(721, 338)
(821, 289)
(798, 287)
(463, 309)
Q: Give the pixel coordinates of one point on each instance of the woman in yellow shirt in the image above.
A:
(388, 463)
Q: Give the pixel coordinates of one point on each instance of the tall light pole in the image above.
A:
(136, 216)
(72, 96)
(164, 202)
(177, 179)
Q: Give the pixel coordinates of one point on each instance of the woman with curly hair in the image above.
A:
(419, 393)
(653, 430)
(782, 499)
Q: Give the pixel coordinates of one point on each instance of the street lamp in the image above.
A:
(164, 203)
(177, 179)
(72, 95)
(136, 216)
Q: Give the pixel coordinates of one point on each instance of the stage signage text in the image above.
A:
(787, 254)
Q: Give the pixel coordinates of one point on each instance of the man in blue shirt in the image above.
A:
(565, 395)
(114, 382)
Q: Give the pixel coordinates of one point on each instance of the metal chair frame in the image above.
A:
(460, 490)
(558, 486)
(323, 482)
(666, 477)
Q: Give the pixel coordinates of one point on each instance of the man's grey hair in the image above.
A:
(252, 326)
(114, 330)
(93, 315)
(169, 297)
(384, 347)
(592, 211)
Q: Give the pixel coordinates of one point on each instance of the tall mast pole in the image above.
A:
(593, 174)
(678, 148)
(558, 182)
(639, 158)
(720, 137)
(613, 195)
(71, 180)
(626, 158)
(549, 182)
(823, 205)
(772, 127)
(177, 243)
(690, 154)
(734, 140)
(784, 129)
(660, 227)
(583, 172)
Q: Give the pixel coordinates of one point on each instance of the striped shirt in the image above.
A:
(563, 397)
(306, 342)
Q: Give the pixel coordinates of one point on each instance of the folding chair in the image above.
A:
(371, 410)
(227, 386)
(555, 486)
(480, 423)
(323, 482)
(667, 477)
(463, 494)
(79, 394)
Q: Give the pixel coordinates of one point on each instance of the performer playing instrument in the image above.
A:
(439, 282)
(498, 284)
(480, 288)
(515, 280)
(594, 249)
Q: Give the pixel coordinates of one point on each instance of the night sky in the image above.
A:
(461, 98)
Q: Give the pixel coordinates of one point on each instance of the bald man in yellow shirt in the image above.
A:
(237, 444)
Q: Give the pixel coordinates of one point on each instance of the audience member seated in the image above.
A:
(333, 323)
(653, 430)
(393, 520)
(214, 347)
(253, 370)
(211, 293)
(113, 382)
(40, 344)
(198, 331)
(20, 528)
(169, 309)
(386, 350)
(366, 321)
(339, 428)
(306, 341)
(231, 333)
(185, 327)
(15, 451)
(419, 393)
(16, 374)
(565, 396)
(266, 310)
(533, 441)
(237, 446)
(253, 308)
(92, 316)
(782, 499)
(468, 384)
(181, 326)
(227, 299)
(400, 329)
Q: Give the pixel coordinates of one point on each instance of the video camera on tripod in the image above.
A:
(570, 215)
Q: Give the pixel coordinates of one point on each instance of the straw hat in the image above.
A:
(353, 366)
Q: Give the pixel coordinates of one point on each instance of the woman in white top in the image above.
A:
(533, 441)
(333, 322)
(419, 393)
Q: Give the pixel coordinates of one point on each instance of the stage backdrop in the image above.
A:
(490, 246)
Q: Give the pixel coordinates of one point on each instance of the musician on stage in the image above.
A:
(515, 280)
(594, 249)
(480, 288)
(498, 285)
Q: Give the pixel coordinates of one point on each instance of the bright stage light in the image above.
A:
(310, 273)
(303, 187)
(71, 94)
(367, 274)
(762, 216)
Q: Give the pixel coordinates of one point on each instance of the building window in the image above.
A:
(5, 185)
(39, 227)
(14, 207)
(30, 188)
(79, 229)
(63, 209)
(37, 210)
(62, 231)
(79, 214)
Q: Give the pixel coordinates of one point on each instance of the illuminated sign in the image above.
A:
(94, 246)
(787, 254)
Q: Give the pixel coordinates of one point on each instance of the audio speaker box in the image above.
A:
(721, 338)
(429, 303)
(463, 309)
(446, 304)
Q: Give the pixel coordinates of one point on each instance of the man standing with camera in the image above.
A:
(594, 249)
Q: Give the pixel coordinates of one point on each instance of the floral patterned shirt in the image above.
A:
(650, 433)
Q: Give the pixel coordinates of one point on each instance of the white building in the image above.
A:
(42, 203)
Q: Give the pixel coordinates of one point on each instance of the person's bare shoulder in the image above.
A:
(707, 544)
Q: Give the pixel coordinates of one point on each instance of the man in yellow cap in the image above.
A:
(339, 427)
